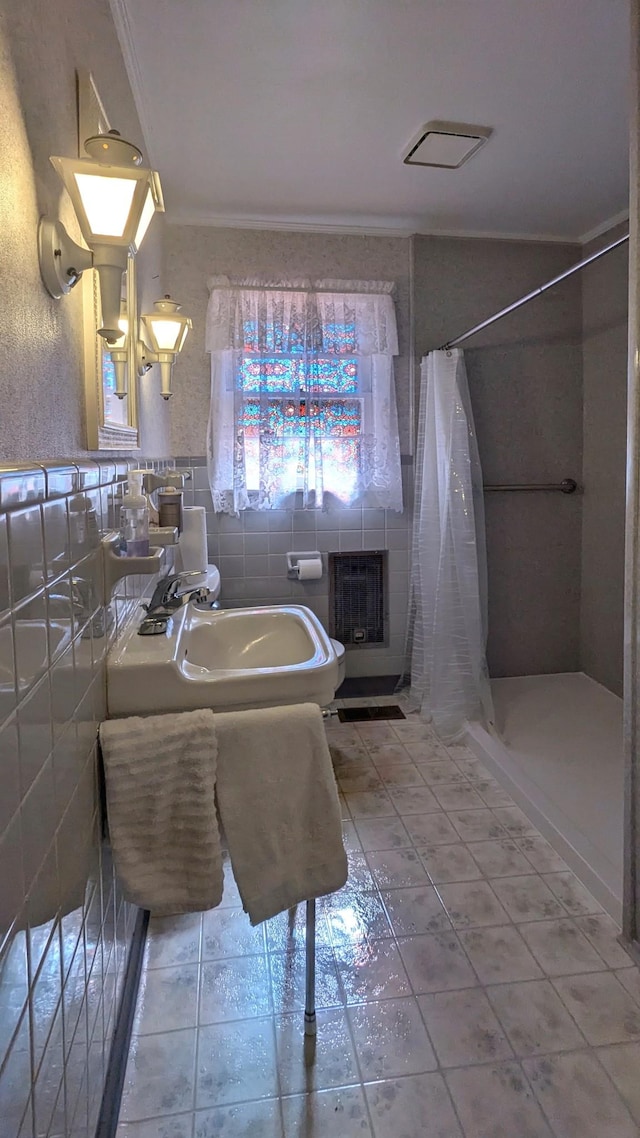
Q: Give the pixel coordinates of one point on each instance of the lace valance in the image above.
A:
(279, 316)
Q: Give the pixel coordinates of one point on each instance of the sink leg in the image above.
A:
(310, 993)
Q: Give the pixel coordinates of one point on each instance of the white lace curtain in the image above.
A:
(302, 395)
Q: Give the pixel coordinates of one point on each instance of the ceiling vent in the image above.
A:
(446, 144)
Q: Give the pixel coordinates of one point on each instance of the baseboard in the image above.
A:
(117, 1065)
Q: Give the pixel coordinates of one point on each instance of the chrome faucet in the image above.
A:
(167, 594)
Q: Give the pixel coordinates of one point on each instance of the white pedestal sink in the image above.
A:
(230, 659)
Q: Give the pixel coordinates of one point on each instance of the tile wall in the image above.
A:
(250, 552)
(64, 927)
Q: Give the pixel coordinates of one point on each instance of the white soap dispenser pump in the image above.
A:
(134, 519)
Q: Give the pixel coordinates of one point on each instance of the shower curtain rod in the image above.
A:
(535, 292)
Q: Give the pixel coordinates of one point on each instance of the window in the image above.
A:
(293, 401)
(304, 407)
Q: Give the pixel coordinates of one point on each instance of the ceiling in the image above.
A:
(296, 113)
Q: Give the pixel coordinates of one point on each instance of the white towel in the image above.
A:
(279, 807)
(160, 774)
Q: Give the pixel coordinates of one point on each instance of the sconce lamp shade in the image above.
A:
(114, 203)
(114, 199)
(167, 330)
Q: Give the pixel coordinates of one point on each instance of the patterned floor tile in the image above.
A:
(578, 1098)
(239, 1121)
(311, 1063)
(436, 963)
(560, 948)
(382, 834)
(622, 1061)
(413, 911)
(527, 898)
(463, 1028)
(449, 863)
(499, 858)
(236, 1062)
(603, 934)
(372, 972)
(497, 1101)
(471, 904)
(499, 955)
(534, 1018)
(393, 869)
(391, 1039)
(401, 1107)
(339, 1113)
(160, 1075)
(601, 1007)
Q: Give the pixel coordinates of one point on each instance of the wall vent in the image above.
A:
(358, 598)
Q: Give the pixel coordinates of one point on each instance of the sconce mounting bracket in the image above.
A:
(62, 261)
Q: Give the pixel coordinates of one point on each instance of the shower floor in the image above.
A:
(560, 756)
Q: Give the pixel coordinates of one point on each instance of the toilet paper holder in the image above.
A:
(294, 560)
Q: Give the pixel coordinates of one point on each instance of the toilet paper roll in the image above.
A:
(310, 569)
(193, 542)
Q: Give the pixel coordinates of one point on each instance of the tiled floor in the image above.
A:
(467, 985)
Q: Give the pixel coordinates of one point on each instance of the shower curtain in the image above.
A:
(447, 630)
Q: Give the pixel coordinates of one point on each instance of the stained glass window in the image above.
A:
(276, 337)
(340, 338)
(288, 373)
(295, 398)
(283, 417)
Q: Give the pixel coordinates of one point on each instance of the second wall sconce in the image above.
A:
(166, 329)
(114, 199)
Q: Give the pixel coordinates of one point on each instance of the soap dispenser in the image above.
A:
(134, 519)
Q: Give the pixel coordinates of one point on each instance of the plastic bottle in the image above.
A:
(134, 519)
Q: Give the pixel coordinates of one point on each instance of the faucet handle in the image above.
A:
(174, 579)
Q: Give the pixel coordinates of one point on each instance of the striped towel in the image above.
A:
(160, 774)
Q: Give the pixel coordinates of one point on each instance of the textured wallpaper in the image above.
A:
(41, 366)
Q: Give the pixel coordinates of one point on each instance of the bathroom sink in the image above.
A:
(227, 660)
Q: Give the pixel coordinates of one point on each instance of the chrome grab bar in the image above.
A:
(567, 486)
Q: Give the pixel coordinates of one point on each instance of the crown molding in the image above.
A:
(369, 227)
(399, 227)
(497, 235)
(604, 226)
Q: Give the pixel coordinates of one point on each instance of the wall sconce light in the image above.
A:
(114, 198)
(167, 330)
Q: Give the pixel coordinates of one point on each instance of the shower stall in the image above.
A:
(547, 379)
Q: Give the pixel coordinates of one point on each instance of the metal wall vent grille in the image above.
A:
(357, 602)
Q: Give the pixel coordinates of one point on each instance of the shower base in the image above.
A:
(559, 755)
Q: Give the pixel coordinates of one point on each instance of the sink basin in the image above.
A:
(227, 660)
(267, 638)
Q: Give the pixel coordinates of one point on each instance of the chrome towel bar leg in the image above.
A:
(310, 985)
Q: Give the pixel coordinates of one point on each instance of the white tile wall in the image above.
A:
(64, 927)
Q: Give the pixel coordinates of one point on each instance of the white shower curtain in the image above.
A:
(448, 595)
